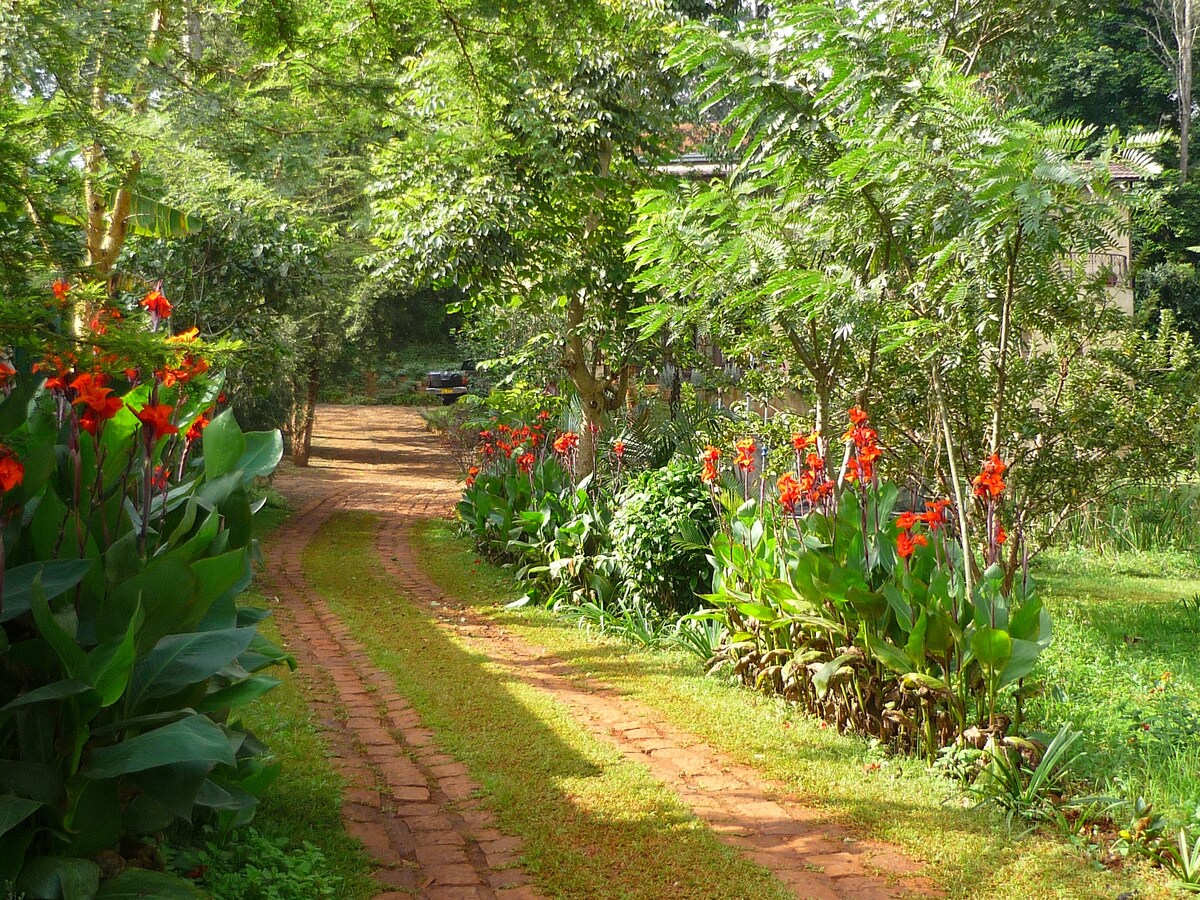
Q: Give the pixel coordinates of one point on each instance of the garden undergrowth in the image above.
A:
(890, 798)
(593, 823)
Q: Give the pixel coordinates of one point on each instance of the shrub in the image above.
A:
(660, 530)
(866, 617)
(250, 865)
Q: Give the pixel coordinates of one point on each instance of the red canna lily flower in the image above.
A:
(566, 442)
(935, 514)
(857, 416)
(618, 449)
(904, 545)
(196, 431)
(61, 288)
(919, 540)
(93, 396)
(799, 442)
(189, 368)
(789, 492)
(156, 420)
(7, 373)
(12, 473)
(746, 448)
(525, 462)
(989, 484)
(157, 305)
(710, 473)
(1001, 536)
(906, 520)
(472, 474)
(543, 416)
(61, 366)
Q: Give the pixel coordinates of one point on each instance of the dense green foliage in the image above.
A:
(657, 512)
(127, 540)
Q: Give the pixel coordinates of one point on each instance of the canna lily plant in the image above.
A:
(861, 612)
(126, 538)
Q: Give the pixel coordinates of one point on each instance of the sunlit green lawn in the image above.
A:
(1124, 669)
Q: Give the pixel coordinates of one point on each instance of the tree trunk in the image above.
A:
(1187, 40)
(952, 464)
(589, 438)
(304, 414)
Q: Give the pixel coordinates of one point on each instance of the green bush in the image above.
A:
(664, 519)
(1172, 286)
(254, 866)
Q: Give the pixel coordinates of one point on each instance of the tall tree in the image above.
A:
(1173, 26)
(517, 188)
(913, 247)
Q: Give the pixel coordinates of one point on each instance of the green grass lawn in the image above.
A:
(900, 802)
(1125, 669)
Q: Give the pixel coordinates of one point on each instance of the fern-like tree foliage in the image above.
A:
(896, 238)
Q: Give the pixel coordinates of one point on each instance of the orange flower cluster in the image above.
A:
(935, 513)
(814, 481)
(92, 395)
(934, 518)
(472, 474)
(907, 542)
(12, 473)
(800, 441)
(710, 458)
(746, 449)
(566, 443)
(866, 448)
(61, 288)
(188, 368)
(157, 305)
(618, 449)
(789, 492)
(525, 462)
(989, 483)
(508, 439)
(7, 373)
(196, 431)
(102, 319)
(61, 366)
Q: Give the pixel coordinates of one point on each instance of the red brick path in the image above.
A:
(413, 807)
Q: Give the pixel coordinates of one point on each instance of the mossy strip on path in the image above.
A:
(593, 823)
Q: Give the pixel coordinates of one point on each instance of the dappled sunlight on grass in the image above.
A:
(594, 824)
(900, 802)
